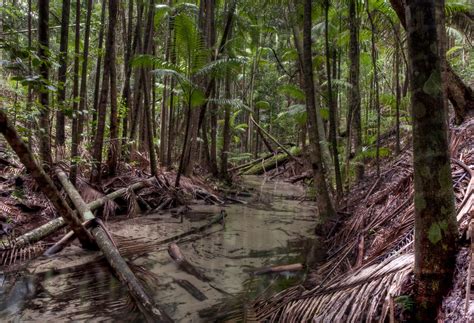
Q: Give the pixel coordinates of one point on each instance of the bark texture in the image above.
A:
(435, 221)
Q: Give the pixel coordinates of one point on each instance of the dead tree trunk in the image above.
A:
(44, 181)
(119, 266)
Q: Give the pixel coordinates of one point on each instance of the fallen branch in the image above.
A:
(300, 177)
(191, 289)
(52, 226)
(278, 269)
(118, 265)
(176, 254)
(270, 163)
(275, 141)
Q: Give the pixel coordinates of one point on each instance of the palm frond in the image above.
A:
(222, 66)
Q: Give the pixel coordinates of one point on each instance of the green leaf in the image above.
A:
(262, 105)
(292, 91)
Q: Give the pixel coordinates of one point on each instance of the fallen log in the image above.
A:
(274, 140)
(300, 177)
(44, 182)
(176, 254)
(52, 226)
(270, 163)
(278, 269)
(191, 289)
(118, 265)
(217, 219)
(250, 163)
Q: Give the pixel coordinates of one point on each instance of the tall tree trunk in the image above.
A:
(435, 221)
(354, 91)
(325, 207)
(126, 91)
(397, 91)
(376, 84)
(226, 132)
(114, 146)
(43, 53)
(82, 95)
(96, 173)
(29, 100)
(332, 106)
(164, 135)
(75, 87)
(95, 108)
(148, 106)
(459, 94)
(62, 70)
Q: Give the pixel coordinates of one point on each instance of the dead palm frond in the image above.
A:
(14, 258)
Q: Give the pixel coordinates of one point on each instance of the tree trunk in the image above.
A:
(435, 221)
(44, 181)
(98, 71)
(75, 91)
(376, 84)
(43, 95)
(332, 107)
(354, 91)
(96, 173)
(62, 70)
(397, 91)
(82, 94)
(226, 132)
(325, 207)
(119, 266)
(126, 91)
(114, 146)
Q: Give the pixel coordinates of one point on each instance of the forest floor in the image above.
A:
(370, 253)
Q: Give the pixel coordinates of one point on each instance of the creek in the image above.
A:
(272, 229)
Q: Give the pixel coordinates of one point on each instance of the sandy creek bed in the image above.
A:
(269, 230)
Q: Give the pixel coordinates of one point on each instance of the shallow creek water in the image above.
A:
(269, 230)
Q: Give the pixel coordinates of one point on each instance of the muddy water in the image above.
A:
(268, 230)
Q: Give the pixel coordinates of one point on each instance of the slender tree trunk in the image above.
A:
(114, 146)
(376, 84)
(82, 95)
(126, 91)
(29, 99)
(98, 71)
(435, 220)
(325, 207)
(96, 173)
(354, 91)
(148, 45)
(164, 119)
(43, 54)
(397, 92)
(75, 90)
(332, 107)
(226, 132)
(63, 49)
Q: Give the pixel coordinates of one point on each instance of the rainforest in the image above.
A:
(236, 161)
